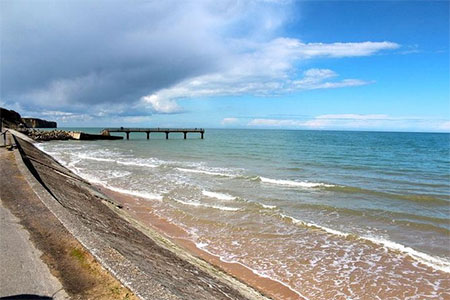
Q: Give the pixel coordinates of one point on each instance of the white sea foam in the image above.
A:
(138, 164)
(303, 184)
(72, 163)
(205, 172)
(94, 179)
(88, 177)
(219, 196)
(268, 206)
(207, 205)
(118, 174)
(202, 246)
(437, 263)
(140, 194)
(84, 156)
(431, 261)
(312, 225)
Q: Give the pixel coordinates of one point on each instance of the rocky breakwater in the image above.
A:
(50, 135)
(42, 135)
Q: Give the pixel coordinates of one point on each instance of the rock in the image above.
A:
(10, 118)
(39, 123)
(41, 135)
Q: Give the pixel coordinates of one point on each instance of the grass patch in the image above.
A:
(115, 290)
(78, 254)
(82, 258)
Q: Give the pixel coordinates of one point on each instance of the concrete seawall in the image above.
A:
(143, 260)
(42, 245)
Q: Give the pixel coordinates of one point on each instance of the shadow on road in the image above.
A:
(26, 297)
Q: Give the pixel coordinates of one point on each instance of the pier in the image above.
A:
(127, 131)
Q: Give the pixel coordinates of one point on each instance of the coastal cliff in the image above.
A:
(12, 119)
(38, 123)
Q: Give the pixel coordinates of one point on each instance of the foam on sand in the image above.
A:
(203, 245)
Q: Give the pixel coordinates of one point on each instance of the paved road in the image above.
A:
(22, 271)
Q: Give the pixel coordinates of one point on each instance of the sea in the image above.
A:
(329, 214)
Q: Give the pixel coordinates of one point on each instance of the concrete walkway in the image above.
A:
(22, 272)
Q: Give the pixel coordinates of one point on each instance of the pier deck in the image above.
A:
(127, 131)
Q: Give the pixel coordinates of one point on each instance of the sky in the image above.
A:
(268, 64)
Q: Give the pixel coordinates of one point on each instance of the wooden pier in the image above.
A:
(185, 131)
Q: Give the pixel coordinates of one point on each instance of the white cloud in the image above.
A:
(354, 117)
(118, 52)
(140, 58)
(326, 121)
(276, 123)
(357, 122)
(264, 69)
(343, 49)
(229, 121)
(161, 104)
(316, 79)
(61, 116)
(444, 126)
(55, 113)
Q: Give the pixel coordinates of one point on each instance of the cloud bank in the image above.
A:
(267, 69)
(131, 59)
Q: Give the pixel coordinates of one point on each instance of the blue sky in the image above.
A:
(341, 65)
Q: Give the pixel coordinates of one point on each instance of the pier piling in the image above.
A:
(148, 131)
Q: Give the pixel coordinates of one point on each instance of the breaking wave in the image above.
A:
(219, 196)
(225, 208)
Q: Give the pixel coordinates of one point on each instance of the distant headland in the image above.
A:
(12, 119)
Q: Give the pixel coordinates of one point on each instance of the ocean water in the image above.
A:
(331, 215)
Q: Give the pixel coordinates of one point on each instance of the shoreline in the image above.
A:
(179, 236)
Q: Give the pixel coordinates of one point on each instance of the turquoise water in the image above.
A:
(354, 190)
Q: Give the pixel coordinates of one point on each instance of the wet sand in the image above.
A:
(179, 236)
